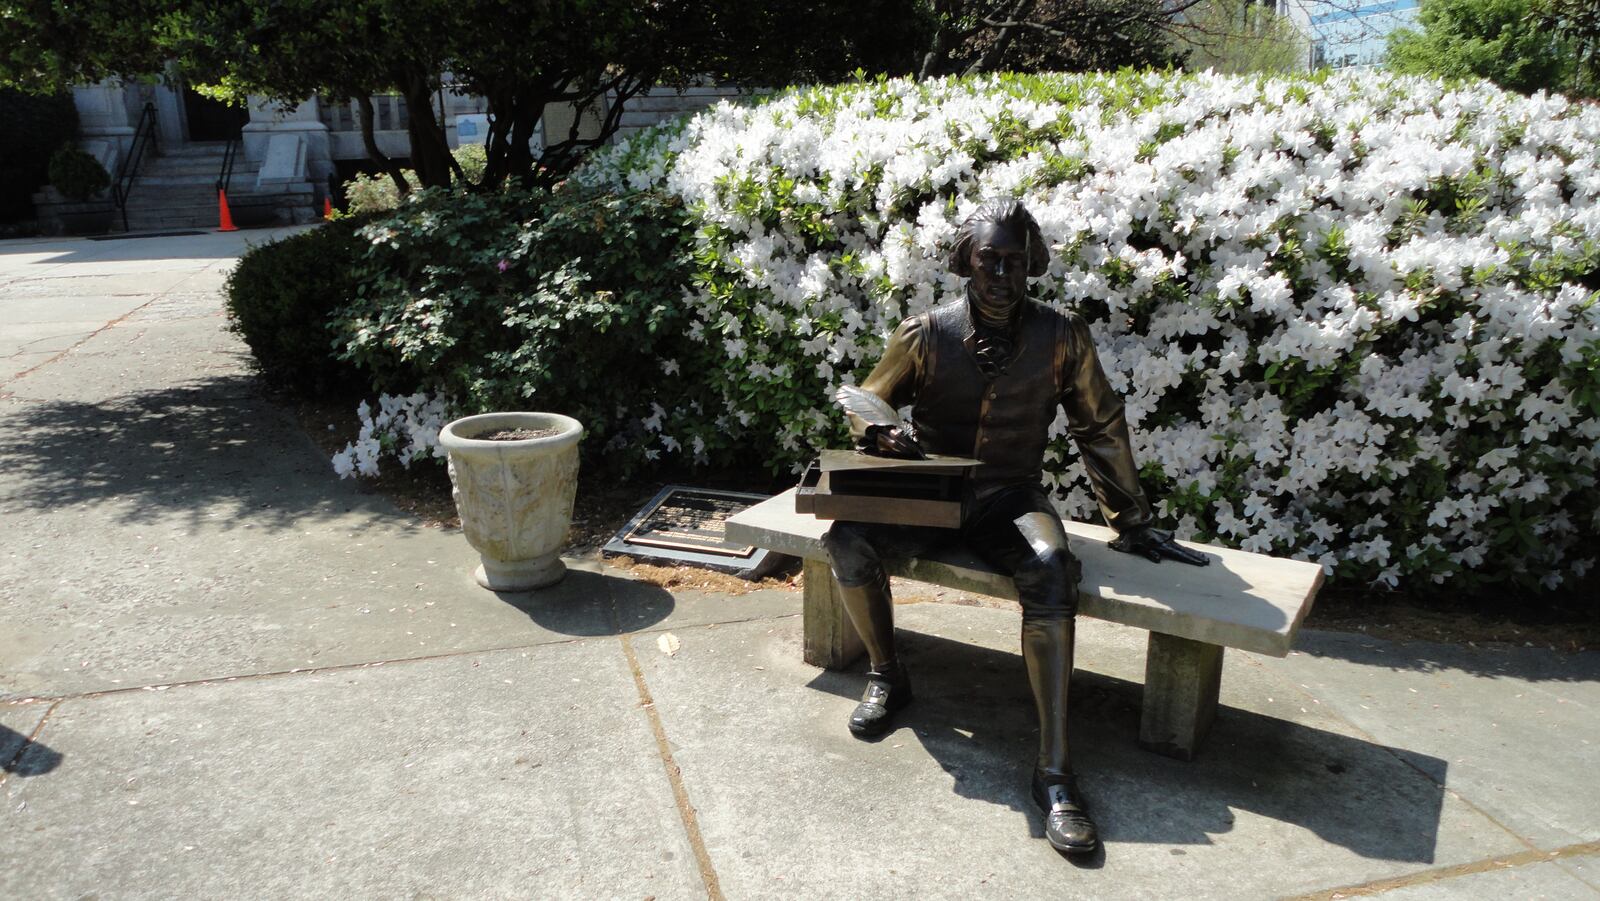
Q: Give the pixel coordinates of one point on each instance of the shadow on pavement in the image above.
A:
(1491, 661)
(974, 715)
(20, 756)
(588, 604)
(212, 449)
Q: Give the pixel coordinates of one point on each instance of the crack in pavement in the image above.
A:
(1440, 874)
(84, 340)
(365, 664)
(279, 674)
(7, 766)
(28, 344)
(108, 326)
(680, 794)
(685, 807)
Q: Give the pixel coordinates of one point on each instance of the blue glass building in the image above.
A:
(1354, 33)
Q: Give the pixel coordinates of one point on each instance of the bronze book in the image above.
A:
(851, 485)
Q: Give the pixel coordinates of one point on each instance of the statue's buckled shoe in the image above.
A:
(886, 695)
(1067, 825)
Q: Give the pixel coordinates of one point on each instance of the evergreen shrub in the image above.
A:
(77, 174)
(281, 299)
(569, 304)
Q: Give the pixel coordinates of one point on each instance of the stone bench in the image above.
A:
(1252, 602)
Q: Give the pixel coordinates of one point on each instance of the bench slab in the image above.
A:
(1242, 600)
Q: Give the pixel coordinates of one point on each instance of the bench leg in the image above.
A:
(831, 641)
(1181, 681)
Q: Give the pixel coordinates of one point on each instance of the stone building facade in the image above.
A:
(287, 156)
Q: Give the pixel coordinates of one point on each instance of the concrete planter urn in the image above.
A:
(515, 496)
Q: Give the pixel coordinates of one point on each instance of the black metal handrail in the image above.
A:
(144, 136)
(228, 155)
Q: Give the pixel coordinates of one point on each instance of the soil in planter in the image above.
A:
(518, 434)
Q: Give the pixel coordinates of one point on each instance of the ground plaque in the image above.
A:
(684, 525)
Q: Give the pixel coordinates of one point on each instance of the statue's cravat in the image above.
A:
(993, 347)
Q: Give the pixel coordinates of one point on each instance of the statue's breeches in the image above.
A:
(1016, 532)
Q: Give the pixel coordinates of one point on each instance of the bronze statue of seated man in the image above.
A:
(984, 376)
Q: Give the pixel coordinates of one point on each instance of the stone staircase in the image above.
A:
(178, 190)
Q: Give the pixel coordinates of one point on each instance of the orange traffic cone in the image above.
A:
(222, 213)
(327, 208)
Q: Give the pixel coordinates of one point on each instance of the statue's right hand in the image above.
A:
(890, 441)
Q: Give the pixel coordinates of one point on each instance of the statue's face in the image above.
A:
(999, 267)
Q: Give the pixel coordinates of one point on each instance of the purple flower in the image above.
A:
(502, 265)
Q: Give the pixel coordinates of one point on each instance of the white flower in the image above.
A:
(411, 423)
(344, 463)
(1304, 342)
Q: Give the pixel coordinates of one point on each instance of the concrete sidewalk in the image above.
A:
(226, 673)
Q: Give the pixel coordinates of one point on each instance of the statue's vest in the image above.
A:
(1003, 421)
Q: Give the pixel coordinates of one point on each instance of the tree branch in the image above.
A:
(563, 155)
(1002, 41)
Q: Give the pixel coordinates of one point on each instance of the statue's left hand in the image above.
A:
(1156, 544)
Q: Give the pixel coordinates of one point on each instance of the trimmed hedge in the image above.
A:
(281, 299)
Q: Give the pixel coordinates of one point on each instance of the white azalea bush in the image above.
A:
(405, 428)
(1354, 318)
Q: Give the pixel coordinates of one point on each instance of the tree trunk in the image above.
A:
(373, 153)
(498, 145)
(430, 149)
(519, 158)
(933, 62)
(516, 114)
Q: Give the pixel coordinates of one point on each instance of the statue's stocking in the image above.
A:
(1047, 651)
(871, 611)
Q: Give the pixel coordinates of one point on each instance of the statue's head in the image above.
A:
(999, 247)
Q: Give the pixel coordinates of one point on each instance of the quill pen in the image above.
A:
(876, 412)
(868, 406)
